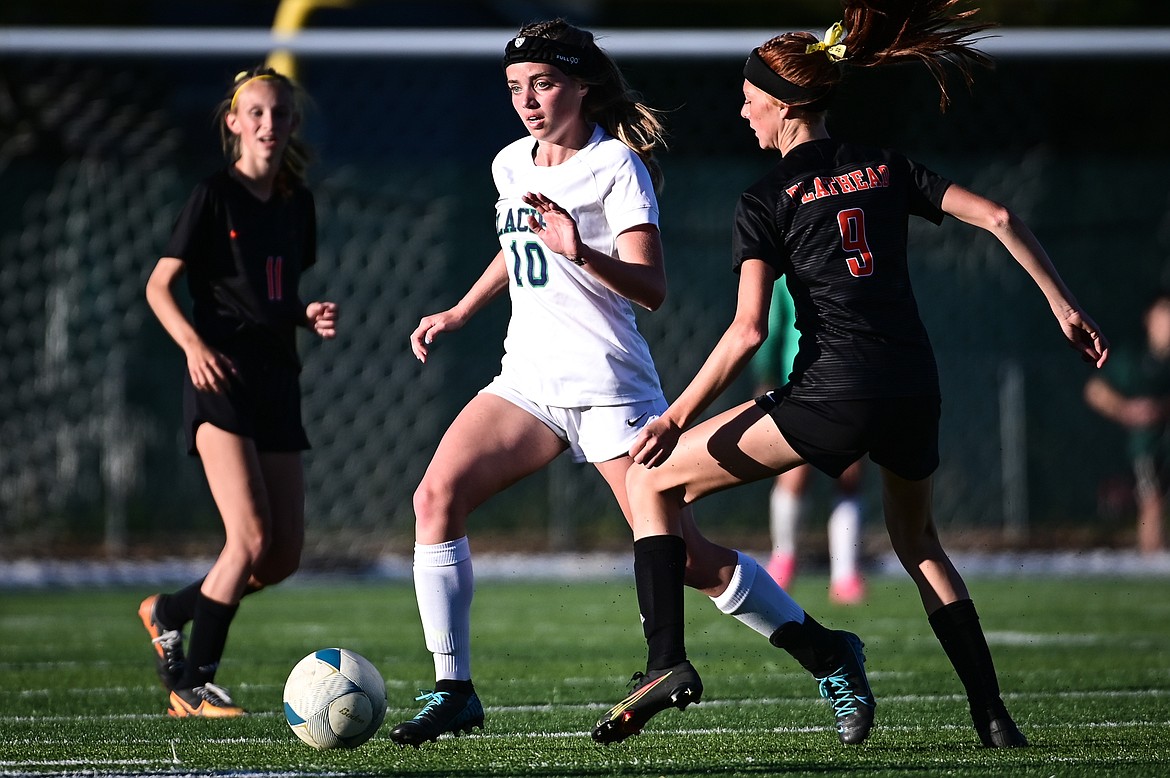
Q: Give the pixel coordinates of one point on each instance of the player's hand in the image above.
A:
(430, 327)
(322, 318)
(1085, 336)
(655, 442)
(555, 227)
(209, 369)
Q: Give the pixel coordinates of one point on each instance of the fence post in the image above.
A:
(1013, 450)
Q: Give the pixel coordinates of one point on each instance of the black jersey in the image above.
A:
(832, 219)
(244, 259)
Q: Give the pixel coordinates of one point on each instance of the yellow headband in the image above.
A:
(831, 45)
(244, 83)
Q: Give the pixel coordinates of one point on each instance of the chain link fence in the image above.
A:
(97, 154)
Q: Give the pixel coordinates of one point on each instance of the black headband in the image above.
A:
(762, 77)
(572, 60)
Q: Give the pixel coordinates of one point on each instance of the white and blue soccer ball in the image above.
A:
(334, 698)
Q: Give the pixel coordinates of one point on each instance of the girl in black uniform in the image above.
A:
(831, 218)
(243, 239)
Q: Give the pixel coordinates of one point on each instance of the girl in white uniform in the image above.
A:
(577, 220)
(572, 340)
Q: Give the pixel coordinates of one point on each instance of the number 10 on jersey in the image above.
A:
(537, 265)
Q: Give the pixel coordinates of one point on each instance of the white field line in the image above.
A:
(564, 735)
(163, 768)
(709, 703)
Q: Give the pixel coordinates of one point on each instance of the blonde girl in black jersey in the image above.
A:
(831, 220)
(243, 239)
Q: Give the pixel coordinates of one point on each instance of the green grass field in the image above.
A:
(1085, 665)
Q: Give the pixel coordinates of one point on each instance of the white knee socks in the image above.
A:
(443, 587)
(756, 600)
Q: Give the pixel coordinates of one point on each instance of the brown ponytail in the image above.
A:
(882, 32)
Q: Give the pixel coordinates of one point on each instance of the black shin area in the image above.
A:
(816, 649)
(209, 631)
(958, 630)
(659, 569)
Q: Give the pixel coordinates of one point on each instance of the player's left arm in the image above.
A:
(1082, 332)
(639, 275)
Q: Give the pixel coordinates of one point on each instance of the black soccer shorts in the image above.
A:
(262, 401)
(899, 433)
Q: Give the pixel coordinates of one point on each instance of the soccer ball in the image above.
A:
(334, 698)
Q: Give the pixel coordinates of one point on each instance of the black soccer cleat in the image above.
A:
(653, 692)
(847, 689)
(167, 644)
(443, 712)
(997, 730)
(206, 702)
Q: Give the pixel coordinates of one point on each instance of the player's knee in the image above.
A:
(278, 563)
(642, 480)
(273, 572)
(912, 545)
(903, 542)
(251, 545)
(433, 505)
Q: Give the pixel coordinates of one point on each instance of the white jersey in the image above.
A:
(571, 341)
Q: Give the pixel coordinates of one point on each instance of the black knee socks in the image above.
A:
(209, 630)
(957, 628)
(659, 569)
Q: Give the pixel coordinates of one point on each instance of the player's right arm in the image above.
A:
(490, 285)
(209, 369)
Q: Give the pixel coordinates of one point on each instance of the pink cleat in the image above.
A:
(782, 568)
(847, 591)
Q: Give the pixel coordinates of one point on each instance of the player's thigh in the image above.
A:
(489, 446)
(235, 478)
(738, 446)
(284, 480)
(907, 507)
(613, 471)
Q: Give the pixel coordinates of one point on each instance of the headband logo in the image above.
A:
(534, 48)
